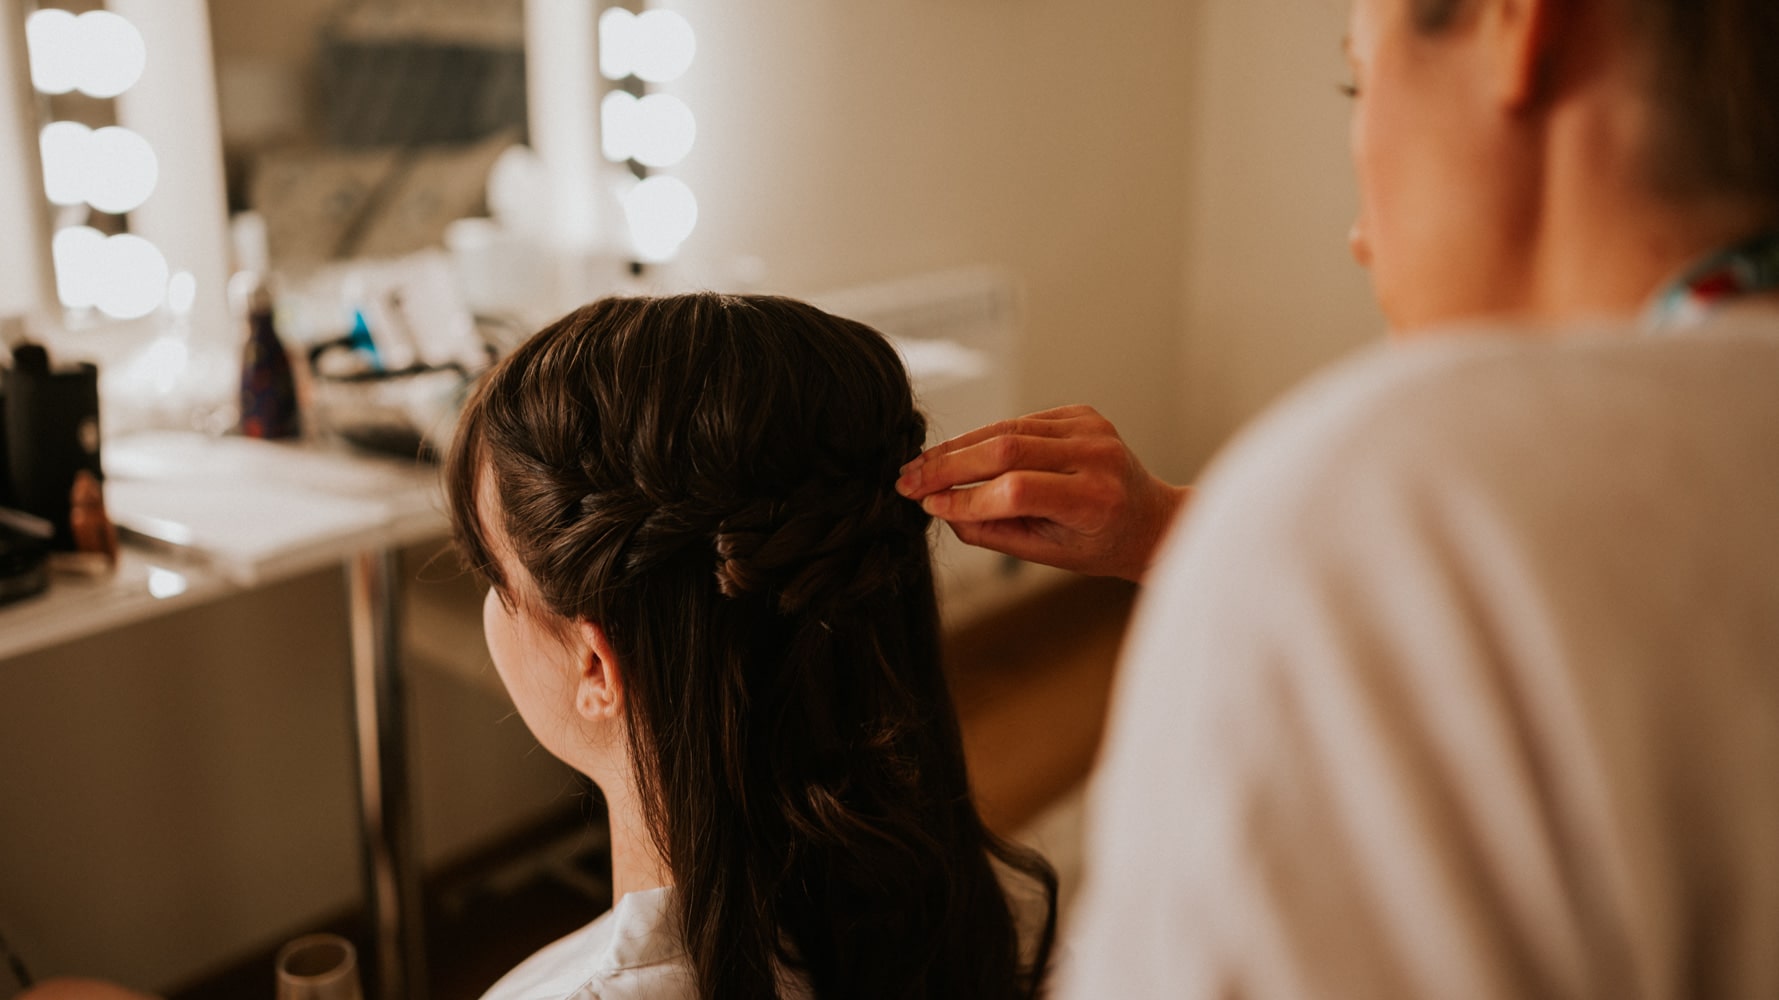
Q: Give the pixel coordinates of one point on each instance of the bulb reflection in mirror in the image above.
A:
(111, 54)
(164, 583)
(123, 170)
(67, 161)
(618, 125)
(665, 46)
(113, 169)
(617, 42)
(132, 277)
(657, 46)
(77, 252)
(666, 131)
(98, 53)
(662, 212)
(182, 293)
(52, 39)
(656, 131)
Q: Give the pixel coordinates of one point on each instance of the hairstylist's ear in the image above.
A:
(599, 692)
(1522, 36)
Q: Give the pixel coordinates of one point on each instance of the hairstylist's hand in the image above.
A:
(1057, 487)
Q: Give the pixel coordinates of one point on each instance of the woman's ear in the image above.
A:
(1522, 35)
(599, 690)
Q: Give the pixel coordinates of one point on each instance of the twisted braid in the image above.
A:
(823, 544)
(834, 542)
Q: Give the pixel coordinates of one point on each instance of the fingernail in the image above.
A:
(909, 482)
(935, 504)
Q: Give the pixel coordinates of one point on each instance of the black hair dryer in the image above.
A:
(51, 435)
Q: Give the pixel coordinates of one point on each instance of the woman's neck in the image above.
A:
(1605, 240)
(636, 865)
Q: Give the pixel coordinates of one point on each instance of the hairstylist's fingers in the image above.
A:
(997, 456)
(1048, 496)
(1014, 538)
(1059, 422)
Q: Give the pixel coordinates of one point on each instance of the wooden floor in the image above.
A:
(1031, 685)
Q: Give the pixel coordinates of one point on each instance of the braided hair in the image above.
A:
(710, 478)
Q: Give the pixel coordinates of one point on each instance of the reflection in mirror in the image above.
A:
(364, 128)
(95, 171)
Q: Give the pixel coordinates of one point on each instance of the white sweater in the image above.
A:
(1461, 680)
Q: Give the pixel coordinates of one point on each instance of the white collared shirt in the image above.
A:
(632, 952)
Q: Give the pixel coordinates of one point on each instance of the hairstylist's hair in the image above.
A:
(710, 479)
(1713, 84)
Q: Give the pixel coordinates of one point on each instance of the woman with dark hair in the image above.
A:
(1460, 676)
(707, 597)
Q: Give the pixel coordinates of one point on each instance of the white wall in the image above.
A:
(180, 793)
(1269, 291)
(845, 143)
(1168, 178)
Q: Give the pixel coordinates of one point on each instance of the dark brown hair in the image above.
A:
(1713, 83)
(710, 479)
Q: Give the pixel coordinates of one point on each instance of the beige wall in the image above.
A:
(1269, 291)
(845, 143)
(181, 792)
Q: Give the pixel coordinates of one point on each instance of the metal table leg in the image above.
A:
(379, 699)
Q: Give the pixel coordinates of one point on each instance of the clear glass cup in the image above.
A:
(318, 967)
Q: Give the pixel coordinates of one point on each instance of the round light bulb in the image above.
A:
(617, 43)
(77, 252)
(662, 212)
(618, 126)
(665, 132)
(162, 362)
(133, 280)
(519, 190)
(111, 54)
(665, 46)
(67, 149)
(182, 293)
(53, 39)
(123, 170)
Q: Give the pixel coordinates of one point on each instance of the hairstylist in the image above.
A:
(1462, 676)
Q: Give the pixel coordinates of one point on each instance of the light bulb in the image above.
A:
(111, 55)
(164, 583)
(665, 131)
(665, 46)
(123, 170)
(77, 251)
(52, 39)
(67, 149)
(662, 212)
(133, 277)
(182, 293)
(617, 43)
(618, 126)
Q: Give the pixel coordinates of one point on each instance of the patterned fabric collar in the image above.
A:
(1748, 268)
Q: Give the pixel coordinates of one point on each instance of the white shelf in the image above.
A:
(226, 514)
(143, 587)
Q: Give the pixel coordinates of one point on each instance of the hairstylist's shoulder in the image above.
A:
(1302, 598)
(1391, 413)
(1259, 649)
